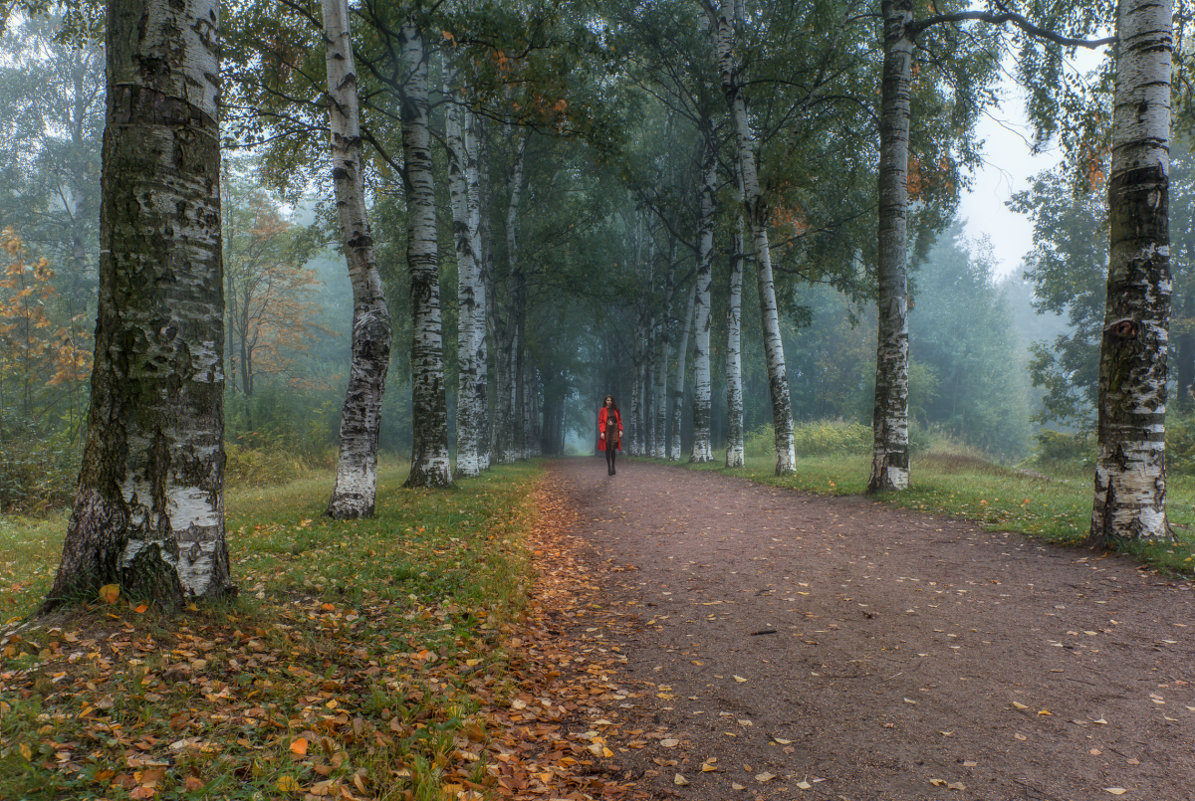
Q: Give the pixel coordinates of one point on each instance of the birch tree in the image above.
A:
(149, 511)
(722, 19)
(1130, 473)
(677, 396)
(430, 466)
(900, 34)
(890, 417)
(361, 415)
(702, 449)
(734, 358)
(471, 409)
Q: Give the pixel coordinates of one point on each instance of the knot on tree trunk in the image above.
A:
(1124, 328)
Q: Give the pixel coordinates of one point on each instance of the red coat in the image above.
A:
(617, 423)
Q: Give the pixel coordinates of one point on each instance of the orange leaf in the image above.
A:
(193, 783)
(140, 608)
(299, 746)
(109, 593)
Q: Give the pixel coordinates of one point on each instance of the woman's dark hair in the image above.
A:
(613, 403)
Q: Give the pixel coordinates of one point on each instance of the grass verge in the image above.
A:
(1056, 509)
(356, 662)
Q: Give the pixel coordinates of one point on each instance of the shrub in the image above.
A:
(259, 467)
(831, 437)
(1064, 448)
(38, 471)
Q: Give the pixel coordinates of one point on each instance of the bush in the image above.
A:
(1056, 448)
(820, 438)
(258, 467)
(1180, 443)
(827, 437)
(38, 472)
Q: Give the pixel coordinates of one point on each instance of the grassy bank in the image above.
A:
(355, 663)
(1055, 508)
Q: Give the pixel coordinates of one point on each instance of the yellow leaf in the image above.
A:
(739, 679)
(1044, 712)
(26, 752)
(1115, 790)
(782, 741)
(287, 784)
(764, 777)
(679, 780)
(299, 746)
(956, 786)
(1019, 705)
(938, 782)
(109, 593)
(804, 785)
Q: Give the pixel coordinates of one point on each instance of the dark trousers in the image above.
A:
(611, 452)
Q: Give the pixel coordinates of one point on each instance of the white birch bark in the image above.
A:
(890, 418)
(1130, 476)
(360, 421)
(734, 361)
(677, 398)
(702, 449)
(757, 218)
(430, 466)
(466, 215)
(149, 511)
(637, 426)
(659, 430)
(485, 256)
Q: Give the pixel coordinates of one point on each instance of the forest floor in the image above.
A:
(774, 644)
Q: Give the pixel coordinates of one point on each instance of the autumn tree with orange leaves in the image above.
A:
(268, 292)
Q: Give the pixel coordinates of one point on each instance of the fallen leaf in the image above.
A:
(804, 785)
(287, 784)
(782, 741)
(1100, 722)
(739, 679)
(1115, 790)
(938, 782)
(109, 593)
(670, 742)
(193, 783)
(737, 786)
(764, 777)
(956, 786)
(299, 746)
(679, 779)
(1019, 705)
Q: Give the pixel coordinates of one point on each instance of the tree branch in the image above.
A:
(1008, 16)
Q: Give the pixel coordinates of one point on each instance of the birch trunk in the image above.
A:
(485, 255)
(149, 511)
(890, 417)
(1130, 474)
(659, 443)
(734, 362)
(677, 396)
(471, 383)
(702, 449)
(757, 217)
(637, 426)
(355, 490)
(430, 466)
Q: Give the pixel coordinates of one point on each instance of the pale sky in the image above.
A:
(1009, 165)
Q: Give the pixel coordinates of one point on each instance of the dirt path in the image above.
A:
(853, 651)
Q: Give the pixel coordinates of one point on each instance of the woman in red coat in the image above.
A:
(609, 431)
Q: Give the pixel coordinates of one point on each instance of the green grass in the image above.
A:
(1056, 509)
(359, 656)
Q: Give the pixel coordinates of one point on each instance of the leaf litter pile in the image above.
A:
(451, 648)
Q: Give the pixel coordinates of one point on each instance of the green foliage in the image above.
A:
(38, 469)
(1063, 449)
